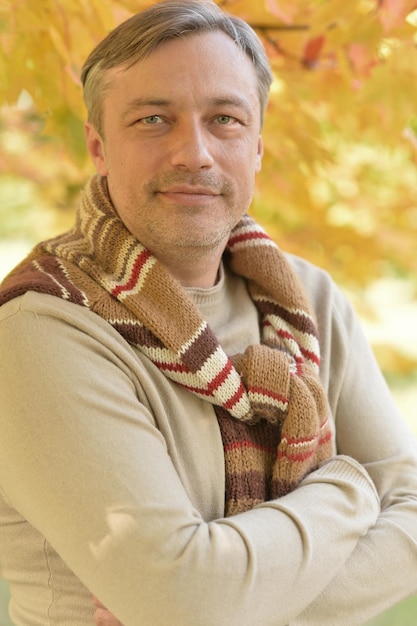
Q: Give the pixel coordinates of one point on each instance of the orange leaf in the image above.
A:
(312, 50)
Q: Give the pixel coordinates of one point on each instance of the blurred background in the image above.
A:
(339, 177)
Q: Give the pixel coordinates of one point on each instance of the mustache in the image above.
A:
(201, 179)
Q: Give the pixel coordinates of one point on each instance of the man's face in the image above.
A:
(181, 143)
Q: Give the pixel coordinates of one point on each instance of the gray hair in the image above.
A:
(140, 35)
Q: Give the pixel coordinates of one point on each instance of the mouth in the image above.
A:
(189, 194)
(191, 189)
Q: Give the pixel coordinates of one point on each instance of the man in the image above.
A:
(194, 430)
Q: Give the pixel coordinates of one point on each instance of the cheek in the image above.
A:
(242, 163)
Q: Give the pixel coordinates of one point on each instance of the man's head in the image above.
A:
(175, 98)
(140, 35)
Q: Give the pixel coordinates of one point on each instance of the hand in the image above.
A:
(103, 617)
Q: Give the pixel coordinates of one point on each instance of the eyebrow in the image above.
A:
(140, 102)
(237, 101)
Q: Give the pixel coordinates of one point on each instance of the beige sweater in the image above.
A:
(112, 475)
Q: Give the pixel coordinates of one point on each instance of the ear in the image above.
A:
(259, 154)
(95, 147)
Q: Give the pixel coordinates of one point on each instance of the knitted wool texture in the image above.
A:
(270, 405)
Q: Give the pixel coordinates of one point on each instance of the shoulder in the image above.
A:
(36, 307)
(42, 323)
(327, 299)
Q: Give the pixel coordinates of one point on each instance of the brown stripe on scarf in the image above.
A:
(249, 452)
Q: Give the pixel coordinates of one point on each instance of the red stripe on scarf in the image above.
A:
(247, 237)
(140, 261)
(269, 393)
(310, 356)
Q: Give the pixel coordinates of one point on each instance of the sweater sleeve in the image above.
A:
(382, 569)
(82, 459)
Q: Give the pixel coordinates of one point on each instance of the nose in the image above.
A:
(191, 146)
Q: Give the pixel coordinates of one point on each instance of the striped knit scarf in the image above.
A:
(270, 405)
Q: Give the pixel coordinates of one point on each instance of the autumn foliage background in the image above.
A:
(339, 177)
(339, 174)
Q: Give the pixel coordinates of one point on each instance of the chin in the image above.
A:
(205, 243)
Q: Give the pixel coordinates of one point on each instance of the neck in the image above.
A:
(194, 268)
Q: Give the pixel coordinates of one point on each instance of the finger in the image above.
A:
(97, 603)
(103, 617)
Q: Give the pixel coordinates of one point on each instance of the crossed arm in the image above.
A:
(139, 542)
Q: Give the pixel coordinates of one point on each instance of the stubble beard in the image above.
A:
(202, 241)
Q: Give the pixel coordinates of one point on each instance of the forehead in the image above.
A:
(208, 64)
